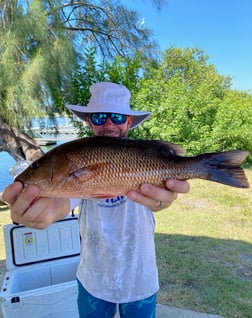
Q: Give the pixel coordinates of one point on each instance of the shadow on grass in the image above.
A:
(205, 274)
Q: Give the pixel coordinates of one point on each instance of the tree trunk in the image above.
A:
(18, 144)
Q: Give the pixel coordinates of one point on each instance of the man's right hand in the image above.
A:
(31, 210)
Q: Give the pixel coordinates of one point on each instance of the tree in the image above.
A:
(41, 45)
(233, 121)
(193, 104)
(34, 63)
(107, 24)
(19, 145)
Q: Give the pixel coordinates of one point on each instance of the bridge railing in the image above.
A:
(54, 133)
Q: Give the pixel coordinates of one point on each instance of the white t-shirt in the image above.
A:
(118, 261)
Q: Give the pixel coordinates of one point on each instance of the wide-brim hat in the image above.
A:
(107, 97)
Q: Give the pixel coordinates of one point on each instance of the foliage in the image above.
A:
(194, 105)
(107, 24)
(42, 42)
(36, 55)
(233, 121)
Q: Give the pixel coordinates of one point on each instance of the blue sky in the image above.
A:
(222, 28)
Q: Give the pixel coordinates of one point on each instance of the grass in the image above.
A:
(204, 249)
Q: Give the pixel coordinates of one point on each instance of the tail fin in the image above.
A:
(225, 167)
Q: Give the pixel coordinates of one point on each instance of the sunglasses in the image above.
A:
(100, 119)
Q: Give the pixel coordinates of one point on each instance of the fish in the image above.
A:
(105, 167)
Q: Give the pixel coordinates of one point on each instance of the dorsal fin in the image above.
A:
(172, 148)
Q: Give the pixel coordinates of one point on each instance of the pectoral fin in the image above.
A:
(85, 173)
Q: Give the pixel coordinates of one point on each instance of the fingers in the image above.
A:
(177, 186)
(31, 210)
(43, 212)
(22, 202)
(37, 215)
(156, 198)
(26, 198)
(151, 196)
(11, 192)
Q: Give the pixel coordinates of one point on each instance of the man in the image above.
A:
(117, 262)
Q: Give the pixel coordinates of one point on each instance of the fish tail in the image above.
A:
(225, 168)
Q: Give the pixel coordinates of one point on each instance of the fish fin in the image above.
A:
(166, 148)
(87, 172)
(101, 196)
(225, 167)
(172, 149)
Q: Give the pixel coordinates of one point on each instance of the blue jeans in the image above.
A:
(91, 307)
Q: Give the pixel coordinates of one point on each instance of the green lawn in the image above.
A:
(204, 249)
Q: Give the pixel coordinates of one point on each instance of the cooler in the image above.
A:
(41, 271)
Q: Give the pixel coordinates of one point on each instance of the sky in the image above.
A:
(221, 28)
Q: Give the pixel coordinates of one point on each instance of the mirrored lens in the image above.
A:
(118, 119)
(99, 119)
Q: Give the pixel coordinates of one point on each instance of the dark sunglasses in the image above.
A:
(100, 119)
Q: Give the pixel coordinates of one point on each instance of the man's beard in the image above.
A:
(111, 133)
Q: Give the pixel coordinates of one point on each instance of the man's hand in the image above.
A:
(157, 199)
(31, 210)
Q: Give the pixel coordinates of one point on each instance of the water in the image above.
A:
(7, 162)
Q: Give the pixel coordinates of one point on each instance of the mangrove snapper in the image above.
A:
(102, 167)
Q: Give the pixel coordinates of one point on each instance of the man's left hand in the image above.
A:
(156, 198)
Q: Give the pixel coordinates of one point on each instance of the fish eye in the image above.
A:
(35, 165)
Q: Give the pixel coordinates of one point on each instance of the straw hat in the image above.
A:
(107, 97)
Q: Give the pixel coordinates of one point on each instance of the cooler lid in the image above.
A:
(26, 246)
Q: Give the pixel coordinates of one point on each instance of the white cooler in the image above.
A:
(41, 271)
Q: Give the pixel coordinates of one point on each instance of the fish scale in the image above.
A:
(102, 167)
